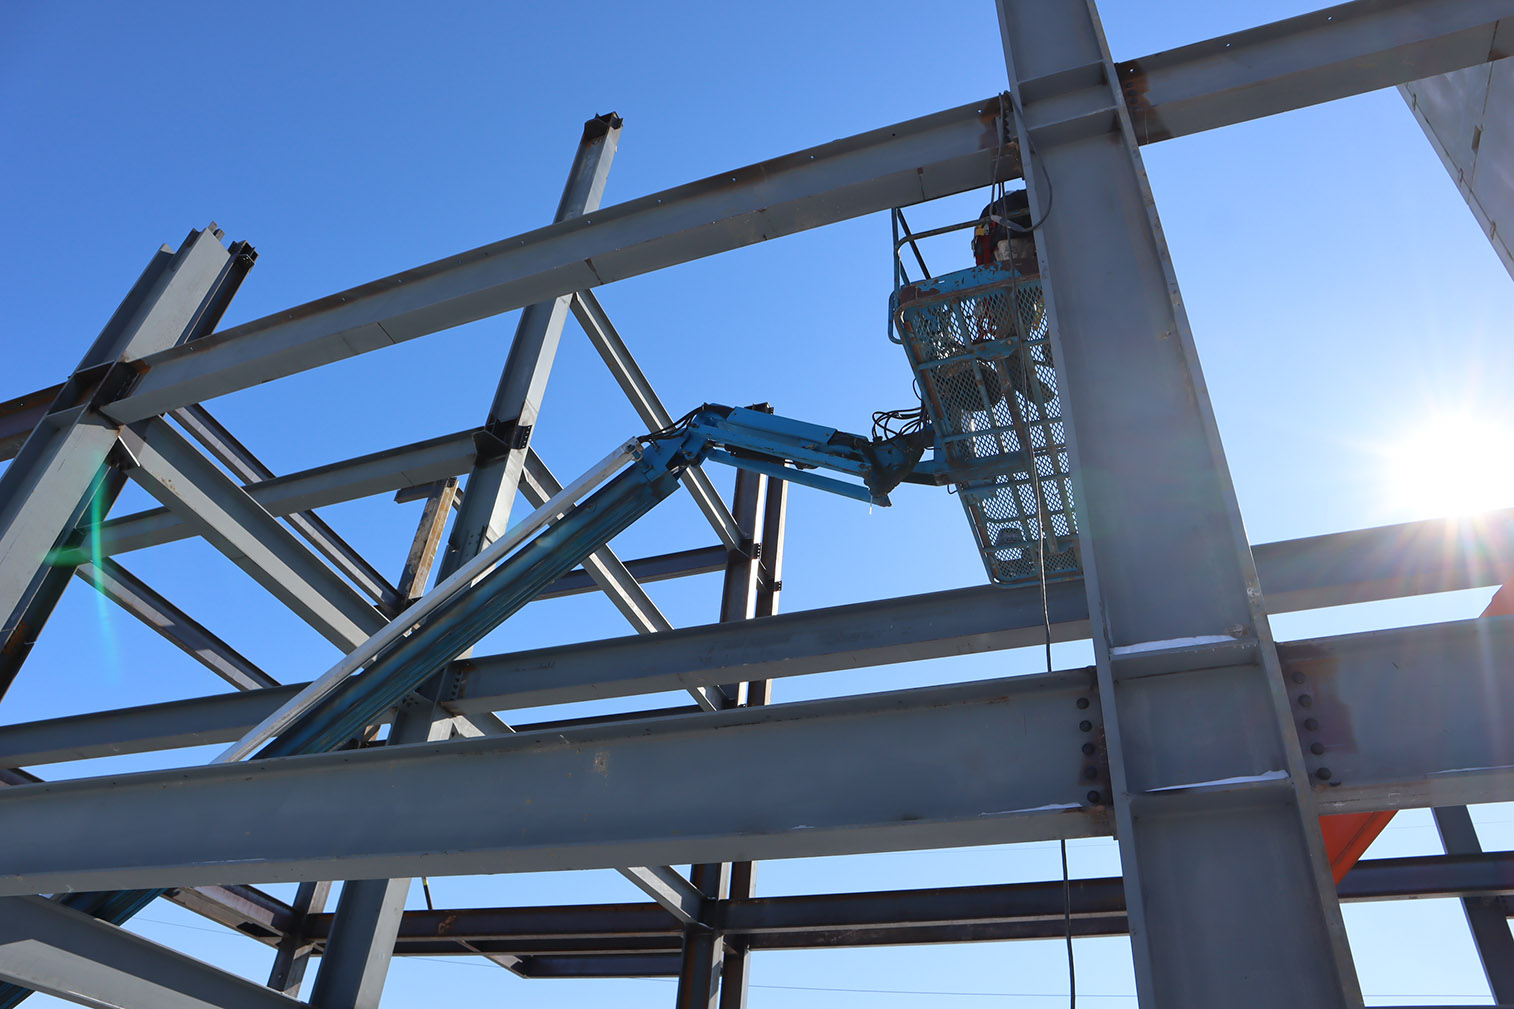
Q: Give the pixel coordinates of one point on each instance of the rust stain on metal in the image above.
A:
(1135, 85)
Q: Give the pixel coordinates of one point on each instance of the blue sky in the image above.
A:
(1351, 320)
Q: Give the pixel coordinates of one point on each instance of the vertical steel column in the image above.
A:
(490, 491)
(293, 955)
(1485, 915)
(735, 968)
(1229, 892)
(704, 949)
(58, 484)
(368, 914)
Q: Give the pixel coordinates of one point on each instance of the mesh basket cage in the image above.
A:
(978, 344)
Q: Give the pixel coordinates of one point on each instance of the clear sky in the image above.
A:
(1351, 319)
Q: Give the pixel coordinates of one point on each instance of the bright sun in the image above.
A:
(1454, 466)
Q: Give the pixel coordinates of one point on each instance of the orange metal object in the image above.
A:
(1348, 835)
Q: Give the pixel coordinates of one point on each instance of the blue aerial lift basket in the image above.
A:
(978, 344)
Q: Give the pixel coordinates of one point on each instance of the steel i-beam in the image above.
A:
(353, 968)
(1206, 779)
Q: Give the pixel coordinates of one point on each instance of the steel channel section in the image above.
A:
(54, 949)
(1377, 44)
(700, 968)
(827, 777)
(932, 625)
(1486, 917)
(354, 977)
(1209, 788)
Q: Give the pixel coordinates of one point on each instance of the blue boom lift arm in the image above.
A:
(746, 438)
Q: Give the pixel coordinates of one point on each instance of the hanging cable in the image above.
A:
(1035, 478)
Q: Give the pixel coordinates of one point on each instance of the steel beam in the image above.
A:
(393, 469)
(980, 913)
(1209, 788)
(295, 947)
(539, 486)
(736, 959)
(249, 469)
(231, 520)
(633, 382)
(681, 564)
(59, 474)
(1317, 57)
(243, 908)
(1290, 64)
(54, 949)
(827, 777)
(703, 955)
(1372, 708)
(354, 967)
(1356, 566)
(122, 587)
(1487, 916)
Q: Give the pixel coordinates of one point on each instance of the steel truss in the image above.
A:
(1331, 725)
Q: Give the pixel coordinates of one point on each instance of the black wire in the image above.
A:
(896, 423)
(673, 429)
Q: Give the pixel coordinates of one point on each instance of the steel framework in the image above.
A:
(1205, 747)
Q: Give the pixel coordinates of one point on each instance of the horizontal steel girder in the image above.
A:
(64, 952)
(990, 762)
(890, 917)
(1356, 566)
(1362, 46)
(1405, 717)
(377, 473)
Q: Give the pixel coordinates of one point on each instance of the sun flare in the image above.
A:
(1456, 465)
